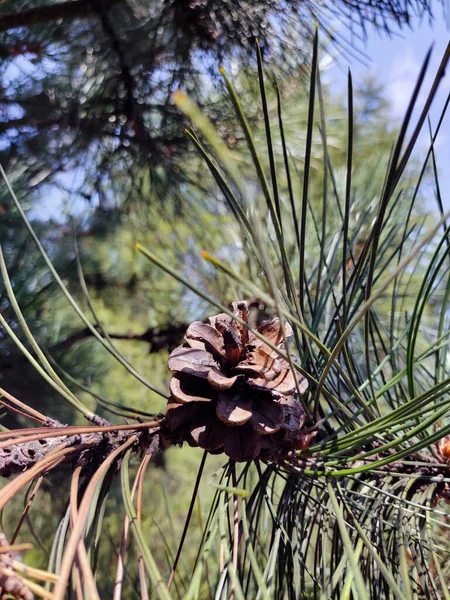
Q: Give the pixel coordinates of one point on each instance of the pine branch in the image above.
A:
(80, 9)
(27, 123)
(158, 338)
(97, 128)
(90, 445)
(130, 105)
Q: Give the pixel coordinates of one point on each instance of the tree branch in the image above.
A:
(127, 78)
(92, 128)
(89, 449)
(159, 338)
(165, 338)
(80, 9)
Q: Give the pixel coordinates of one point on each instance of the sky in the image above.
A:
(396, 62)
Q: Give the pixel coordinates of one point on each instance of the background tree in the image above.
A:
(87, 85)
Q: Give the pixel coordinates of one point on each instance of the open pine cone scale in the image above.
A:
(231, 392)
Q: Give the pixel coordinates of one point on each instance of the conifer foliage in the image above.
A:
(89, 82)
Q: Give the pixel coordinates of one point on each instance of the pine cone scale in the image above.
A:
(209, 433)
(207, 334)
(220, 381)
(187, 389)
(233, 410)
(243, 444)
(267, 417)
(258, 362)
(191, 361)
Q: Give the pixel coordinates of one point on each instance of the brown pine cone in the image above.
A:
(12, 585)
(231, 392)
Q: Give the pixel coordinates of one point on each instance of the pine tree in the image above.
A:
(89, 82)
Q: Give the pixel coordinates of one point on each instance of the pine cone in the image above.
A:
(12, 585)
(231, 392)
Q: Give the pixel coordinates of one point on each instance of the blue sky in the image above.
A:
(396, 62)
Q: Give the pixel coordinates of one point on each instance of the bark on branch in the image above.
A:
(90, 448)
(158, 338)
